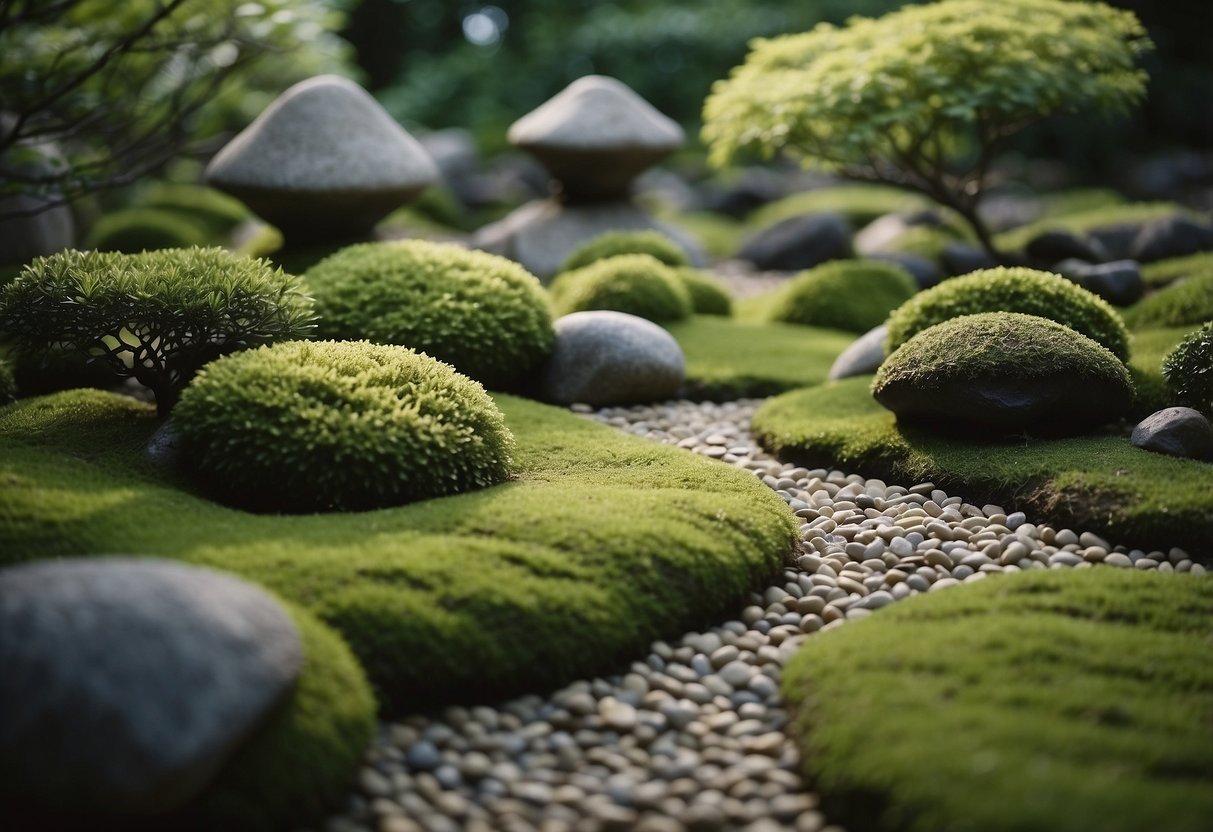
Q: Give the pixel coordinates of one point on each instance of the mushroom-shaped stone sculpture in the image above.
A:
(324, 161)
(595, 137)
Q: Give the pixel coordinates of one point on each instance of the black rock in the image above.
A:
(1116, 240)
(925, 273)
(799, 243)
(1170, 237)
(752, 188)
(1177, 431)
(128, 683)
(1052, 246)
(1119, 283)
(962, 258)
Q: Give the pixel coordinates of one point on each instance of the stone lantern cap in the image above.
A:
(596, 136)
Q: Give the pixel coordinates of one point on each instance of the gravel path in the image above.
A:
(690, 738)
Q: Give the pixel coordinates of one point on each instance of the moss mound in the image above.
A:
(638, 284)
(708, 296)
(1183, 303)
(485, 315)
(614, 243)
(1065, 700)
(144, 229)
(1188, 370)
(1165, 272)
(601, 543)
(1011, 290)
(859, 203)
(852, 295)
(339, 426)
(1096, 482)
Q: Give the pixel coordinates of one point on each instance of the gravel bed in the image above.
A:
(690, 738)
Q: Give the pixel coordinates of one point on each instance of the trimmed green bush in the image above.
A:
(708, 295)
(340, 426)
(1064, 700)
(1184, 302)
(1023, 290)
(852, 295)
(144, 229)
(638, 284)
(1189, 370)
(614, 243)
(485, 315)
(156, 317)
(1163, 272)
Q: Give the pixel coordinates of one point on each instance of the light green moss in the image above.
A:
(1183, 303)
(852, 295)
(708, 295)
(1164, 272)
(638, 284)
(858, 203)
(614, 243)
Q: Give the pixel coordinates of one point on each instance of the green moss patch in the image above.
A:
(1185, 302)
(858, 203)
(1099, 483)
(521, 586)
(1063, 700)
(1164, 272)
(855, 295)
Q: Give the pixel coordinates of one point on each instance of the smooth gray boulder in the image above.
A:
(324, 161)
(863, 357)
(799, 243)
(603, 358)
(127, 683)
(1176, 431)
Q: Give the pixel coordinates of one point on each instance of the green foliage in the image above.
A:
(613, 243)
(1011, 290)
(1064, 700)
(1164, 272)
(1189, 370)
(156, 317)
(308, 426)
(708, 295)
(485, 315)
(1184, 302)
(638, 284)
(144, 229)
(859, 203)
(852, 295)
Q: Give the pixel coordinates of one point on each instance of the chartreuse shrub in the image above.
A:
(144, 229)
(852, 295)
(1188, 370)
(156, 317)
(638, 284)
(485, 315)
(340, 425)
(1184, 302)
(708, 295)
(599, 544)
(1164, 272)
(1011, 290)
(613, 243)
(1066, 700)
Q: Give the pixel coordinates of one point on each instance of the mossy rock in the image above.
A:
(486, 316)
(638, 284)
(1023, 290)
(614, 243)
(708, 295)
(1188, 370)
(1066, 700)
(600, 544)
(852, 295)
(1099, 483)
(144, 229)
(1003, 372)
(308, 426)
(1165, 272)
(1183, 303)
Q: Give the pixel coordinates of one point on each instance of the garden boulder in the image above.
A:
(799, 243)
(863, 357)
(1177, 431)
(1119, 283)
(1167, 237)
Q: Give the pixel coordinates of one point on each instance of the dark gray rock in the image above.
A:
(1177, 431)
(1051, 247)
(962, 258)
(799, 243)
(165, 448)
(1170, 237)
(1117, 240)
(602, 358)
(128, 683)
(1119, 283)
(925, 273)
(863, 356)
(751, 188)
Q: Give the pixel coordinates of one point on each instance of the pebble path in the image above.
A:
(691, 737)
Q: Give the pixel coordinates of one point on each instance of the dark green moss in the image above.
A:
(708, 295)
(1063, 700)
(614, 243)
(853, 295)
(1183, 303)
(637, 284)
(143, 229)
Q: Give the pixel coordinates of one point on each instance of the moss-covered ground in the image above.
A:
(524, 585)
(1067, 700)
(1096, 482)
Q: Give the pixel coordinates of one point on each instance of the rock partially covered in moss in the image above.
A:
(1003, 372)
(854, 295)
(1021, 290)
(1188, 370)
(614, 243)
(483, 314)
(339, 426)
(708, 295)
(637, 284)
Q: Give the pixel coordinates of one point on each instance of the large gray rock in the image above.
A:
(1049, 247)
(603, 358)
(324, 161)
(863, 357)
(596, 136)
(799, 243)
(1177, 431)
(1166, 237)
(127, 683)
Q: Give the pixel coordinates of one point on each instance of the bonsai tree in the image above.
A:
(925, 97)
(156, 316)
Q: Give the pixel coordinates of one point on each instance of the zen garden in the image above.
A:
(562, 416)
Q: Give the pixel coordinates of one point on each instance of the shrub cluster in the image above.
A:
(308, 426)
(144, 229)
(1185, 302)
(485, 315)
(708, 296)
(852, 295)
(156, 316)
(1188, 370)
(1011, 290)
(637, 284)
(615, 243)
